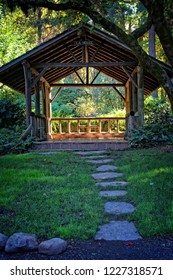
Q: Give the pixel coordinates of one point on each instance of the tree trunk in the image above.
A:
(152, 51)
(39, 28)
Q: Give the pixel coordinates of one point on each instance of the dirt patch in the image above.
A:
(158, 248)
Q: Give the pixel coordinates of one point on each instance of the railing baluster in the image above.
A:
(86, 127)
(117, 126)
(69, 127)
(109, 127)
(60, 127)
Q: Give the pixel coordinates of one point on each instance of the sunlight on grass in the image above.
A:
(150, 176)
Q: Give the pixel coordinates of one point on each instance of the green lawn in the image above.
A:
(49, 195)
(150, 176)
(55, 195)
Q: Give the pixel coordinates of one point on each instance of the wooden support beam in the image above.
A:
(43, 98)
(85, 64)
(48, 112)
(95, 77)
(39, 76)
(87, 75)
(83, 55)
(37, 99)
(119, 93)
(27, 77)
(140, 80)
(34, 71)
(129, 76)
(53, 98)
(96, 52)
(77, 74)
(72, 54)
(86, 85)
(127, 99)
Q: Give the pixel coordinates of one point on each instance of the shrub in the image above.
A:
(12, 118)
(10, 140)
(11, 113)
(158, 128)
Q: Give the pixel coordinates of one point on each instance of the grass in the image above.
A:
(55, 195)
(150, 176)
(49, 195)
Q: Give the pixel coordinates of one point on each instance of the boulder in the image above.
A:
(21, 242)
(3, 241)
(53, 246)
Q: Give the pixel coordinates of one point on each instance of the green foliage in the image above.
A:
(12, 118)
(11, 113)
(87, 102)
(150, 175)
(49, 195)
(17, 35)
(10, 141)
(158, 128)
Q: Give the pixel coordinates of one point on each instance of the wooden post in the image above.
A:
(37, 99)
(140, 80)
(134, 96)
(27, 77)
(48, 112)
(127, 94)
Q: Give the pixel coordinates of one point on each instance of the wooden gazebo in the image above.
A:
(41, 69)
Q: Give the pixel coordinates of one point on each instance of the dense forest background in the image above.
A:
(23, 28)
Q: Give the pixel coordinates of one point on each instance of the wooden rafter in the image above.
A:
(119, 93)
(95, 77)
(130, 77)
(96, 52)
(39, 76)
(53, 98)
(77, 74)
(86, 85)
(84, 64)
(72, 54)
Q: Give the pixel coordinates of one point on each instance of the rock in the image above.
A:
(118, 230)
(99, 161)
(111, 184)
(112, 193)
(106, 167)
(21, 242)
(53, 246)
(117, 208)
(106, 175)
(3, 241)
(83, 153)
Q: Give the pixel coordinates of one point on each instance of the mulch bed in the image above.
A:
(155, 248)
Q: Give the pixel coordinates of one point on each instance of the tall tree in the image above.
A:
(152, 50)
(161, 18)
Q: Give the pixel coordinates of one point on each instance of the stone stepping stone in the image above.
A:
(112, 193)
(94, 157)
(118, 208)
(99, 161)
(111, 184)
(83, 153)
(118, 230)
(47, 153)
(106, 167)
(106, 175)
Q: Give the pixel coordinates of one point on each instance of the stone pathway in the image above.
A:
(116, 229)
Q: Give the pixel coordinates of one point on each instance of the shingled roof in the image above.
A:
(64, 54)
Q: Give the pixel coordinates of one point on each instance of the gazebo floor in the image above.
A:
(81, 144)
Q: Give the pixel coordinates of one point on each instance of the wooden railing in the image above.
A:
(38, 126)
(87, 127)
